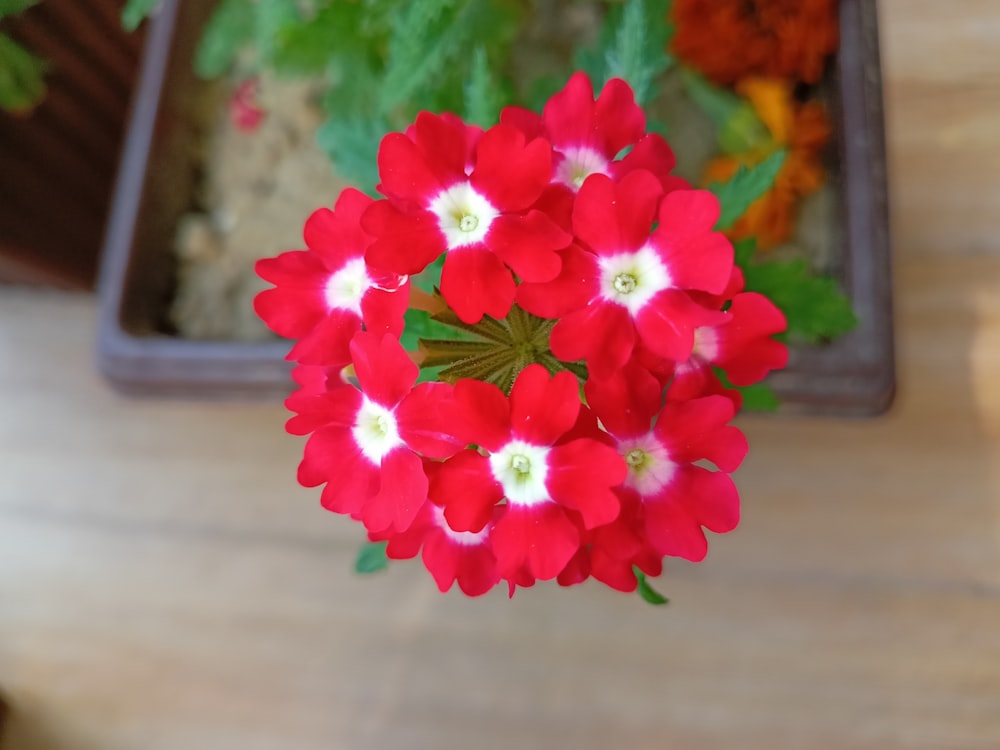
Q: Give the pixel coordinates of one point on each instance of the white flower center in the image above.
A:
(375, 431)
(649, 464)
(706, 343)
(462, 538)
(522, 469)
(464, 215)
(579, 162)
(345, 288)
(633, 279)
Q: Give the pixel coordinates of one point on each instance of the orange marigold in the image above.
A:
(802, 129)
(728, 40)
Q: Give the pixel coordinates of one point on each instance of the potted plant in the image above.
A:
(520, 345)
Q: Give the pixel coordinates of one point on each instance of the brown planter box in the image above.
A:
(854, 375)
(57, 163)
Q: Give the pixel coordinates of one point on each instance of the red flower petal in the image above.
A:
(440, 557)
(332, 456)
(338, 407)
(696, 498)
(337, 236)
(556, 202)
(574, 287)
(510, 172)
(617, 117)
(406, 173)
(475, 283)
(568, 114)
(746, 350)
(528, 244)
(384, 311)
(296, 304)
(612, 218)
(528, 122)
(603, 334)
(652, 153)
(581, 474)
(666, 324)
(626, 401)
(717, 499)
(477, 572)
(697, 257)
(405, 242)
(697, 429)
(384, 369)
(672, 531)
(442, 139)
(540, 536)
(543, 408)
(402, 492)
(328, 342)
(577, 570)
(473, 566)
(481, 414)
(465, 486)
(423, 423)
(405, 545)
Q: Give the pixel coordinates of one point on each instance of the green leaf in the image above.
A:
(371, 558)
(483, 100)
(426, 63)
(647, 592)
(353, 91)
(756, 397)
(737, 124)
(13, 7)
(745, 187)
(22, 77)
(229, 29)
(136, 11)
(429, 279)
(413, 57)
(352, 144)
(744, 250)
(814, 306)
(271, 18)
(308, 47)
(418, 324)
(632, 46)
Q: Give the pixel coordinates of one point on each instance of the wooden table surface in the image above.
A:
(165, 584)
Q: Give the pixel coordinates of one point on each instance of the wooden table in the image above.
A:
(164, 583)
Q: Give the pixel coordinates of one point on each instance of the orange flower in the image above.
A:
(802, 129)
(727, 40)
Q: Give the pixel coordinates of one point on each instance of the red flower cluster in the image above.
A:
(615, 261)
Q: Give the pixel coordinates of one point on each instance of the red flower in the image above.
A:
(323, 295)
(635, 284)
(245, 112)
(611, 266)
(368, 443)
(741, 345)
(678, 497)
(588, 135)
(548, 488)
(450, 556)
(480, 212)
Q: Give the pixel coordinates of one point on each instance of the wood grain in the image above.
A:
(164, 584)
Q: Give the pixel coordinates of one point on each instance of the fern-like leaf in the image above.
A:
(483, 99)
(229, 29)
